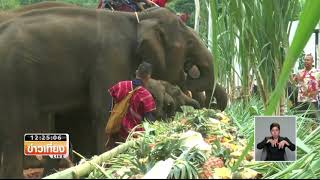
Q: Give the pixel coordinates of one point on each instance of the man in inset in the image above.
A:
(308, 84)
(141, 103)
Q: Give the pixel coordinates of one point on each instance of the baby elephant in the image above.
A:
(169, 98)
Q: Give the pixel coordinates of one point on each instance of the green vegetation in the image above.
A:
(12, 4)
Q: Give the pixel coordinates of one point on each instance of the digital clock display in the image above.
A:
(45, 137)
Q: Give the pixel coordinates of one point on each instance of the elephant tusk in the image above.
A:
(188, 93)
(137, 16)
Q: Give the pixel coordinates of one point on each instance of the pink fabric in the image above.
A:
(140, 103)
(161, 3)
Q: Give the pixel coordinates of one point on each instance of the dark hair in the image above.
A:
(144, 70)
(274, 125)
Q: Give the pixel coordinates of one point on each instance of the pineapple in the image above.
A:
(211, 163)
(184, 121)
(210, 139)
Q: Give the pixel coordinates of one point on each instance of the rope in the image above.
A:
(155, 4)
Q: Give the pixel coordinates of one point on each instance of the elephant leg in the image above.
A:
(221, 97)
(100, 100)
(22, 116)
(200, 97)
(11, 158)
(99, 109)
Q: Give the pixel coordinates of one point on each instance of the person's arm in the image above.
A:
(262, 144)
(311, 94)
(291, 146)
(148, 2)
(297, 78)
(149, 106)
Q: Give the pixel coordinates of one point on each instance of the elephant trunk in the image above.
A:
(203, 79)
(169, 105)
(191, 102)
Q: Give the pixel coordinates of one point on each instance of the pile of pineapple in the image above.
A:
(202, 143)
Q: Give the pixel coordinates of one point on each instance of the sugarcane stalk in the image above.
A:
(85, 168)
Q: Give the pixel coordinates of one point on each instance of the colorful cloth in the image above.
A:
(310, 84)
(140, 103)
(119, 5)
(161, 3)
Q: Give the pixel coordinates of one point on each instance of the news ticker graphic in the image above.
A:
(54, 145)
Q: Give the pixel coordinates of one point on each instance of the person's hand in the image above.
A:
(298, 78)
(273, 143)
(149, 2)
(282, 144)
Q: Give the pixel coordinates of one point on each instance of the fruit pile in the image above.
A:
(201, 143)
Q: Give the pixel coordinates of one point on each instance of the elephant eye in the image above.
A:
(190, 44)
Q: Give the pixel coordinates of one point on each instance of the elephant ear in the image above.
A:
(151, 44)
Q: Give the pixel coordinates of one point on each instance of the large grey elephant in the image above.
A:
(60, 60)
(169, 98)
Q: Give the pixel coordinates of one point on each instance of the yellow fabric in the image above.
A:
(118, 112)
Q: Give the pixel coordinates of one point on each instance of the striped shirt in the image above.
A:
(141, 102)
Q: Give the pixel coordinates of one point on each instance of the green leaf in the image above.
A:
(183, 172)
(195, 173)
(303, 146)
(176, 172)
(308, 20)
(189, 169)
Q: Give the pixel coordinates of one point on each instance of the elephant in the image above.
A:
(169, 98)
(61, 59)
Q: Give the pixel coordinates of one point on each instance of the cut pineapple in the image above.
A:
(222, 173)
(249, 174)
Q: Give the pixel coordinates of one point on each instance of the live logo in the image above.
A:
(57, 156)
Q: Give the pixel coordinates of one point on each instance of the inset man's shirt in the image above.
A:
(141, 102)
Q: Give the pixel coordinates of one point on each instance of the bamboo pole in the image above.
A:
(85, 168)
(197, 15)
